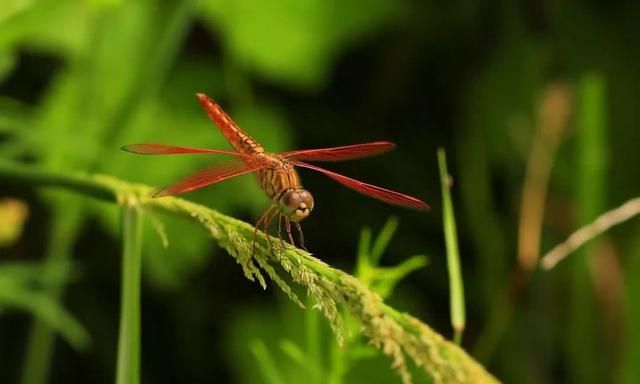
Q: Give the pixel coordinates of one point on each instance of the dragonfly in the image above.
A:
(276, 172)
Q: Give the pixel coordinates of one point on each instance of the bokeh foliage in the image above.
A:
(80, 78)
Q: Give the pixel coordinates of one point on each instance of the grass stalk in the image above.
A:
(553, 115)
(313, 340)
(583, 352)
(456, 286)
(128, 361)
(398, 335)
(602, 224)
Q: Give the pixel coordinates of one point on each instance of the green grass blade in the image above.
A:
(37, 272)
(266, 363)
(41, 340)
(383, 239)
(18, 294)
(453, 255)
(584, 346)
(296, 354)
(388, 277)
(363, 264)
(628, 370)
(128, 370)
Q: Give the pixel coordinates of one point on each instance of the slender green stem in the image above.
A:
(128, 371)
(76, 182)
(313, 338)
(582, 343)
(453, 255)
(339, 365)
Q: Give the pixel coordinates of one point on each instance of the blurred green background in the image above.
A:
(515, 91)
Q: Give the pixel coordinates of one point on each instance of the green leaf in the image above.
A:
(7, 63)
(386, 279)
(36, 24)
(34, 272)
(18, 294)
(382, 279)
(11, 8)
(295, 42)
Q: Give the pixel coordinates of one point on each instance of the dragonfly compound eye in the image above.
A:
(296, 204)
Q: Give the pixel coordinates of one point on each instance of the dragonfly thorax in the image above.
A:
(296, 204)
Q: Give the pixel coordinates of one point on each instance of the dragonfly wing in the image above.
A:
(386, 195)
(211, 175)
(162, 149)
(347, 152)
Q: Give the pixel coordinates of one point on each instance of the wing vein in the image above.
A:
(383, 194)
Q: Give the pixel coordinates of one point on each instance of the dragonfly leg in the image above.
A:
(287, 223)
(280, 231)
(255, 230)
(267, 223)
(299, 228)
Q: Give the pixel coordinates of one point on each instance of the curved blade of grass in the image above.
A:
(383, 239)
(36, 272)
(266, 363)
(386, 278)
(41, 340)
(296, 354)
(453, 255)
(15, 293)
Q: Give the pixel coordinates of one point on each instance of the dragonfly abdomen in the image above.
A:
(240, 141)
(247, 144)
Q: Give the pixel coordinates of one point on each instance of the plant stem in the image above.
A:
(583, 345)
(313, 338)
(128, 370)
(75, 182)
(453, 255)
(396, 334)
(600, 225)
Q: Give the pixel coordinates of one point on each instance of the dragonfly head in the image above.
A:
(296, 204)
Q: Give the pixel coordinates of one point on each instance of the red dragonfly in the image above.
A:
(275, 172)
